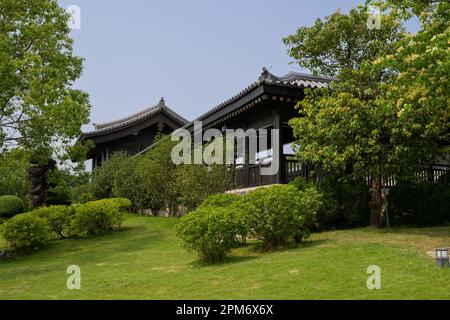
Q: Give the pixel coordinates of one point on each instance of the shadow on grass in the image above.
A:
(431, 231)
(313, 243)
(229, 260)
(126, 239)
(258, 246)
(253, 250)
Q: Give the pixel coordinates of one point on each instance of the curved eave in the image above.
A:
(118, 126)
(284, 82)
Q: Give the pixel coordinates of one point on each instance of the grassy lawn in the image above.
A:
(145, 261)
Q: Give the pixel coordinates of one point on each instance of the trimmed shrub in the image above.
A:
(419, 204)
(122, 204)
(220, 200)
(10, 206)
(99, 216)
(345, 202)
(26, 231)
(59, 219)
(280, 213)
(211, 231)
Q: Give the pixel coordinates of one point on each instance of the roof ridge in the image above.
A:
(127, 118)
(291, 79)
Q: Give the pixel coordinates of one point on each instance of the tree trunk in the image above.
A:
(375, 202)
(37, 182)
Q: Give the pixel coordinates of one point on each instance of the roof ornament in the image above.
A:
(162, 102)
(266, 75)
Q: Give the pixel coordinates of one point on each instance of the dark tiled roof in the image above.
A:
(292, 79)
(127, 121)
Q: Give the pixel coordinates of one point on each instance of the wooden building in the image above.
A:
(268, 103)
(131, 134)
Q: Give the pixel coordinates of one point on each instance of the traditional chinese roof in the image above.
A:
(120, 124)
(294, 80)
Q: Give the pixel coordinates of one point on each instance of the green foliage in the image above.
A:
(300, 183)
(383, 115)
(344, 201)
(59, 219)
(279, 213)
(221, 200)
(342, 41)
(26, 231)
(13, 172)
(212, 231)
(196, 182)
(99, 216)
(65, 186)
(419, 204)
(157, 173)
(38, 105)
(104, 177)
(82, 193)
(420, 92)
(10, 206)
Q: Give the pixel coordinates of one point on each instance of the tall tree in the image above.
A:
(422, 63)
(346, 126)
(38, 106)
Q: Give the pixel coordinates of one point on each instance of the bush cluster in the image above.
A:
(280, 213)
(276, 215)
(345, 202)
(419, 204)
(10, 206)
(59, 219)
(34, 229)
(212, 231)
(153, 182)
(26, 231)
(99, 216)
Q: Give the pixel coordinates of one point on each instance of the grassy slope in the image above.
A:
(145, 261)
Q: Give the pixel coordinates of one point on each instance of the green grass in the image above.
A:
(145, 261)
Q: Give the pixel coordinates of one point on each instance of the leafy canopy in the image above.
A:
(38, 107)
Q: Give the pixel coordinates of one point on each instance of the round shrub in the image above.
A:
(211, 231)
(59, 219)
(26, 231)
(10, 206)
(99, 216)
(280, 213)
(120, 203)
(220, 200)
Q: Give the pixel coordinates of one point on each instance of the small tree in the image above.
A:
(349, 126)
(196, 182)
(104, 177)
(157, 173)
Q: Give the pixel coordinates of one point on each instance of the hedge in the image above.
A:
(10, 206)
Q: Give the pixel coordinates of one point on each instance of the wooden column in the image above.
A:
(245, 169)
(277, 124)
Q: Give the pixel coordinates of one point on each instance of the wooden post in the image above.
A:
(245, 168)
(277, 124)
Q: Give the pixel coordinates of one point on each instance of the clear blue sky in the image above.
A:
(195, 53)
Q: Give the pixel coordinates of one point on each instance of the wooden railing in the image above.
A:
(432, 174)
(293, 168)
